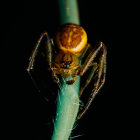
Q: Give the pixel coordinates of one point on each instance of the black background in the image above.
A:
(25, 109)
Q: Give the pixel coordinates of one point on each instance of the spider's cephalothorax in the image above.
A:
(66, 64)
(71, 43)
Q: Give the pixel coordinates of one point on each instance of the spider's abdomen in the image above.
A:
(71, 38)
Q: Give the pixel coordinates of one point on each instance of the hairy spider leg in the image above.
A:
(90, 76)
(100, 71)
(35, 51)
(48, 55)
(55, 77)
(84, 51)
(103, 75)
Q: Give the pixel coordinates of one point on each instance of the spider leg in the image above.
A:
(84, 51)
(103, 76)
(48, 54)
(55, 77)
(89, 78)
(35, 51)
(99, 76)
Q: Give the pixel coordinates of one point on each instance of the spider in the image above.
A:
(70, 45)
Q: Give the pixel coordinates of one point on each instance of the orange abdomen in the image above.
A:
(71, 38)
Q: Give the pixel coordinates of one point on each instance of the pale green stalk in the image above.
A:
(68, 100)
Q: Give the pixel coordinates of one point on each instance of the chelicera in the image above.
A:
(71, 43)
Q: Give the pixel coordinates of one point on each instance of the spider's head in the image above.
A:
(66, 61)
(66, 64)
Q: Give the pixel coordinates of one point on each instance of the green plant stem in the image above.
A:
(68, 99)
